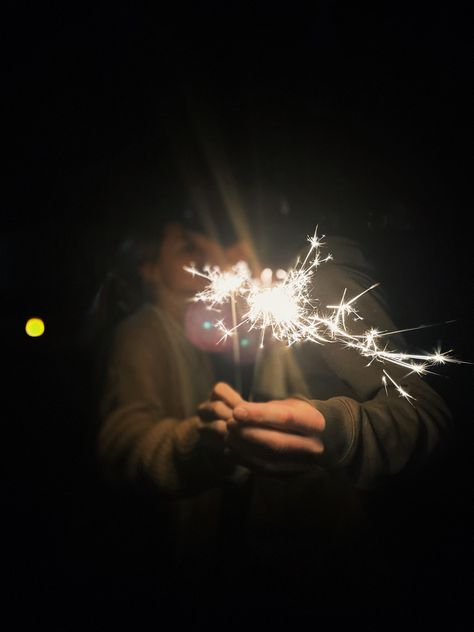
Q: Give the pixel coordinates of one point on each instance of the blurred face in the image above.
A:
(180, 248)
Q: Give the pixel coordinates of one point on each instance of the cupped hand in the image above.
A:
(276, 436)
(215, 413)
(221, 403)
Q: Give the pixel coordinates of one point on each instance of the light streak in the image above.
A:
(222, 284)
(288, 312)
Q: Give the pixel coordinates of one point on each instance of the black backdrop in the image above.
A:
(356, 120)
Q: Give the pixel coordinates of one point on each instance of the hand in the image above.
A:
(221, 403)
(215, 413)
(277, 436)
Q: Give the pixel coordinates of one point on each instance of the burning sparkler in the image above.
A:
(223, 287)
(287, 310)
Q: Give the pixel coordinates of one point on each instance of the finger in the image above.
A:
(297, 416)
(214, 430)
(227, 394)
(218, 427)
(208, 411)
(276, 444)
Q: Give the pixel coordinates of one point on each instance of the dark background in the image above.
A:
(357, 120)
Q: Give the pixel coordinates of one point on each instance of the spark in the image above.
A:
(287, 310)
(402, 392)
(223, 285)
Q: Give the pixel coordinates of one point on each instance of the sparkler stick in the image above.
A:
(236, 345)
(223, 287)
(256, 372)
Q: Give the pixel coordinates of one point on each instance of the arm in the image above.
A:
(376, 433)
(142, 436)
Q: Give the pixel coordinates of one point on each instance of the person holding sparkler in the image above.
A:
(324, 426)
(159, 429)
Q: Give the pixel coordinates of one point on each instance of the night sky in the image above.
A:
(355, 120)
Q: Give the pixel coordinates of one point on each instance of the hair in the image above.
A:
(121, 293)
(122, 290)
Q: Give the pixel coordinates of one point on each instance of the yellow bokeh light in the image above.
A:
(34, 327)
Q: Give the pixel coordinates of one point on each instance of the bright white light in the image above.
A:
(222, 285)
(266, 276)
(273, 305)
(287, 309)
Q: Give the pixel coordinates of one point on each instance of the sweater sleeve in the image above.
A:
(138, 441)
(376, 432)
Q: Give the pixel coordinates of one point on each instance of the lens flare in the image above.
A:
(35, 327)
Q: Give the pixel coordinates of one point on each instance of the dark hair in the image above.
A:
(122, 290)
(121, 293)
(133, 252)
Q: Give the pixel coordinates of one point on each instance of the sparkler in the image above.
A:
(287, 310)
(223, 287)
(222, 284)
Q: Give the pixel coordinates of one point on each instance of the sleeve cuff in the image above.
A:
(187, 436)
(340, 434)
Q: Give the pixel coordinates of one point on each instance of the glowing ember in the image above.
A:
(287, 310)
(222, 285)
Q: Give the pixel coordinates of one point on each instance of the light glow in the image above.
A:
(288, 311)
(35, 327)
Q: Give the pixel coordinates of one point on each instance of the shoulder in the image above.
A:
(346, 252)
(349, 272)
(347, 265)
(140, 329)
